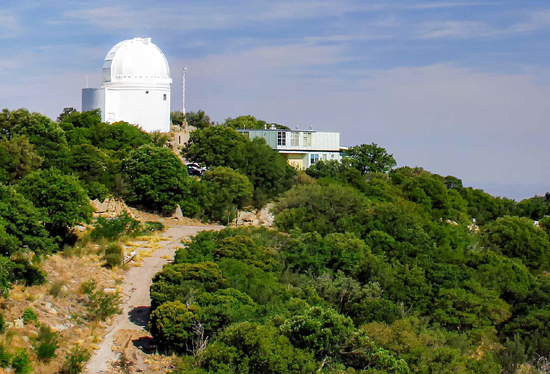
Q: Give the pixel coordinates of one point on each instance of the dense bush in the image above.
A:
(225, 192)
(21, 363)
(29, 315)
(157, 180)
(60, 197)
(114, 255)
(21, 225)
(222, 146)
(173, 324)
(379, 271)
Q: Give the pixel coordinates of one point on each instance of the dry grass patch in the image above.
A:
(59, 304)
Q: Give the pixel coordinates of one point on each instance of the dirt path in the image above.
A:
(129, 326)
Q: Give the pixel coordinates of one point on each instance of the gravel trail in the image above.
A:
(136, 300)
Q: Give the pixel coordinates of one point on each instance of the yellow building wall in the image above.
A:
(295, 160)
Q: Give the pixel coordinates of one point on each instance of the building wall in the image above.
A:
(93, 98)
(301, 148)
(306, 140)
(147, 107)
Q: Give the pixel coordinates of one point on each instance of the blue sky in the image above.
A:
(458, 87)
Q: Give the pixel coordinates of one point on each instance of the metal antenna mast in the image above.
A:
(183, 87)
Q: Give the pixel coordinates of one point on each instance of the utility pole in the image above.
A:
(183, 91)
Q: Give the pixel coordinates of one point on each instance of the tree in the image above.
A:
(215, 146)
(321, 331)
(255, 348)
(198, 120)
(66, 112)
(266, 169)
(119, 136)
(250, 122)
(519, 238)
(371, 158)
(21, 225)
(60, 197)
(180, 281)
(47, 137)
(222, 146)
(324, 209)
(93, 166)
(225, 192)
(157, 180)
(311, 253)
(172, 325)
(17, 159)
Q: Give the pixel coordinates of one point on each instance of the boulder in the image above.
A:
(178, 214)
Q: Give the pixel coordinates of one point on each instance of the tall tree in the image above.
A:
(198, 120)
(157, 180)
(60, 197)
(226, 191)
(17, 159)
(371, 158)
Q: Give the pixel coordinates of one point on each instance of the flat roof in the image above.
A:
(291, 130)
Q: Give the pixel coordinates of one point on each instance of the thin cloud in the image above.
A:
(9, 26)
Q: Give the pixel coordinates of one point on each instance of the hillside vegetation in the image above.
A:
(372, 268)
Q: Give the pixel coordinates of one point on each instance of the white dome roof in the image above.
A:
(136, 61)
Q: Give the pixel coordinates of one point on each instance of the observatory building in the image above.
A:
(136, 86)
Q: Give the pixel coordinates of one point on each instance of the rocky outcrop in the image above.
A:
(110, 208)
(260, 217)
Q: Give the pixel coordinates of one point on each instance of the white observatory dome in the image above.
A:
(136, 61)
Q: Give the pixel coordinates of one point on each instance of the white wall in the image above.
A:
(145, 107)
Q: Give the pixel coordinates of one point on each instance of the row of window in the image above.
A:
(315, 157)
(294, 139)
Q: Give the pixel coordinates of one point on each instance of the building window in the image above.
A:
(332, 155)
(164, 97)
(281, 138)
(294, 139)
(314, 158)
(324, 156)
(246, 133)
(307, 139)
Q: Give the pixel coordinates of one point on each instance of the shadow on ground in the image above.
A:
(146, 344)
(140, 316)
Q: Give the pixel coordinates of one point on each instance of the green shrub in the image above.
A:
(112, 229)
(55, 288)
(26, 271)
(151, 226)
(45, 344)
(114, 255)
(5, 357)
(102, 305)
(87, 287)
(20, 362)
(2, 323)
(29, 315)
(75, 360)
(172, 324)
